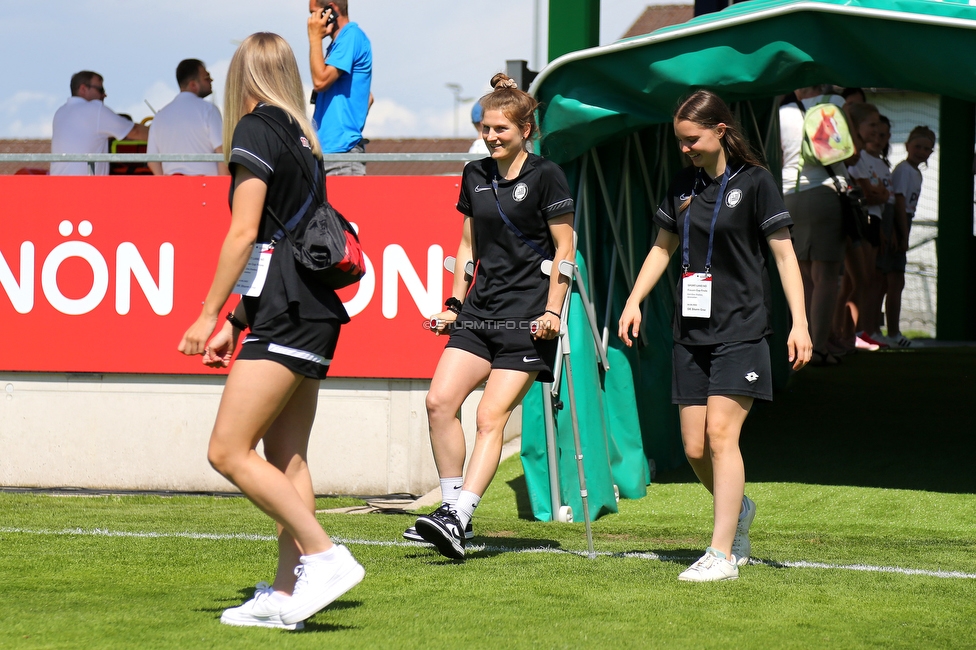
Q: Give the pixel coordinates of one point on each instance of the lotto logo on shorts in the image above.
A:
(751, 377)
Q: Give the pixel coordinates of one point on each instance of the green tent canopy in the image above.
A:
(605, 117)
(750, 50)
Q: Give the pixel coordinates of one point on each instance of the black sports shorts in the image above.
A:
(301, 345)
(506, 343)
(739, 368)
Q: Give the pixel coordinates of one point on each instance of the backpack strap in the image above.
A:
(287, 227)
(799, 167)
(508, 222)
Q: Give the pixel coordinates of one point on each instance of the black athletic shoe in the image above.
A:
(442, 528)
(412, 534)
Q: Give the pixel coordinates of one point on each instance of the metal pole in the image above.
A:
(584, 496)
(555, 500)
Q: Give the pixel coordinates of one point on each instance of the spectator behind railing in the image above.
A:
(342, 76)
(84, 124)
(188, 124)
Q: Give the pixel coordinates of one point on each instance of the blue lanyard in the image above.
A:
(685, 264)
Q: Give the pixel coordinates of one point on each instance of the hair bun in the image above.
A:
(501, 81)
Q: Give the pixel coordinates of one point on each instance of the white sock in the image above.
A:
(280, 598)
(466, 503)
(451, 488)
(324, 556)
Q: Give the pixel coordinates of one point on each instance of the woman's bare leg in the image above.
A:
(457, 374)
(723, 424)
(256, 394)
(503, 392)
(286, 447)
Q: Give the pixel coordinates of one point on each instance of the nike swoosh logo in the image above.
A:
(528, 360)
(478, 188)
(250, 340)
(457, 487)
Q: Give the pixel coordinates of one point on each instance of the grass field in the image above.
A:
(865, 538)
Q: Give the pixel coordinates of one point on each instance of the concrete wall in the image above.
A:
(150, 432)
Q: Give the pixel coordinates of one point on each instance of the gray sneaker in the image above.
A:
(740, 545)
(710, 568)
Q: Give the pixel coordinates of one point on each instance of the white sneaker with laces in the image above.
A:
(710, 568)
(260, 611)
(741, 548)
(320, 582)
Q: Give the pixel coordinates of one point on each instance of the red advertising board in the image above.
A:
(105, 274)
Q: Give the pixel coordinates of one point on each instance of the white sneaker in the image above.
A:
(741, 547)
(260, 611)
(320, 582)
(710, 568)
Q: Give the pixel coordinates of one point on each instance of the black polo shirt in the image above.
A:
(752, 209)
(261, 150)
(509, 282)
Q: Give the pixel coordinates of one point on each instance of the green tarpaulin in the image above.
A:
(755, 49)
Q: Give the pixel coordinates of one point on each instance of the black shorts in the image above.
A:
(872, 234)
(507, 344)
(739, 368)
(303, 346)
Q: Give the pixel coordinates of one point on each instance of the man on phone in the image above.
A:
(341, 75)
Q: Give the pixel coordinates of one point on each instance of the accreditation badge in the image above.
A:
(255, 272)
(696, 295)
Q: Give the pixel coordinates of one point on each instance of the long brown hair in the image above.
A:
(707, 110)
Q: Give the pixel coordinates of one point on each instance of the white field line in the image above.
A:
(249, 537)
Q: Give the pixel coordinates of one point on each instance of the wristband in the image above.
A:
(454, 305)
(549, 311)
(236, 322)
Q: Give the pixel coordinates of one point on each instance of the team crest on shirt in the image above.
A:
(305, 142)
(520, 191)
(732, 198)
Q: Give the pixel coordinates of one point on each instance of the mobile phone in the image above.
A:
(333, 15)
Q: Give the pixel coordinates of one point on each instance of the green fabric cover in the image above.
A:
(755, 49)
(610, 433)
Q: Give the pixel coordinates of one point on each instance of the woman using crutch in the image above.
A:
(726, 214)
(517, 212)
(294, 322)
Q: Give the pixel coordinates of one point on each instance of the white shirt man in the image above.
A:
(84, 125)
(188, 125)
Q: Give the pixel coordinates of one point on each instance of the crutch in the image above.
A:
(569, 270)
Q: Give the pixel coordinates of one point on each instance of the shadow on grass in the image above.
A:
(310, 625)
(317, 624)
(891, 419)
(522, 502)
(481, 548)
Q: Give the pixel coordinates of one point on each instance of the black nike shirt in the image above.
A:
(257, 147)
(509, 282)
(752, 209)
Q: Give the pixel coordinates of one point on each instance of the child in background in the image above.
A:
(873, 176)
(906, 186)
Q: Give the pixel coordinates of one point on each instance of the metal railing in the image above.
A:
(92, 158)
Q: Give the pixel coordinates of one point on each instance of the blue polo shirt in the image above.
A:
(340, 110)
